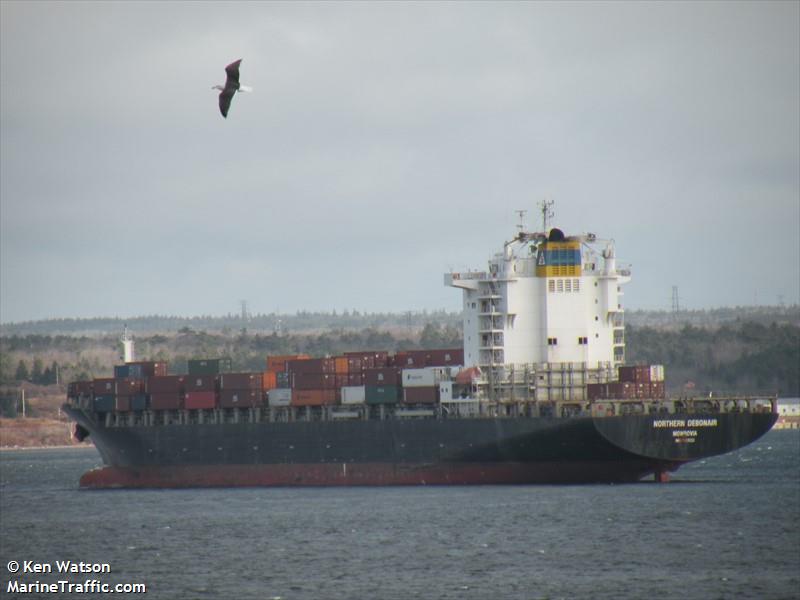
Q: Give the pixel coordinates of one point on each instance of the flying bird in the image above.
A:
(231, 87)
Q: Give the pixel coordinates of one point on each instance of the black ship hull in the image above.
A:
(413, 451)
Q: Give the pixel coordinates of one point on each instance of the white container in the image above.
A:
(445, 391)
(656, 373)
(279, 397)
(353, 394)
(427, 377)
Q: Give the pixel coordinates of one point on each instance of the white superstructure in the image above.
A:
(545, 298)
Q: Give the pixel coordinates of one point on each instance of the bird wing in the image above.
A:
(232, 72)
(225, 97)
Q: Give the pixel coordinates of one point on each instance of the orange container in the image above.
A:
(340, 365)
(269, 380)
(313, 397)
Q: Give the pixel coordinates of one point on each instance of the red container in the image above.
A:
(104, 386)
(80, 388)
(635, 374)
(241, 381)
(445, 358)
(354, 364)
(165, 401)
(421, 395)
(313, 397)
(314, 365)
(128, 386)
(596, 391)
(311, 381)
(201, 383)
(165, 384)
(276, 364)
(198, 400)
(624, 390)
(240, 398)
(391, 376)
(370, 359)
(122, 404)
(342, 379)
(355, 378)
(657, 390)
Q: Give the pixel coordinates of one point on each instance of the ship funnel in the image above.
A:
(127, 346)
(610, 260)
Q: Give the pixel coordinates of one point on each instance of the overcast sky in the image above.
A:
(385, 144)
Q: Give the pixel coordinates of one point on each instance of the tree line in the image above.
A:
(736, 357)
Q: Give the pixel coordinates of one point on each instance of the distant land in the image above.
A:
(311, 322)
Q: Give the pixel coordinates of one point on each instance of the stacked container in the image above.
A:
(240, 390)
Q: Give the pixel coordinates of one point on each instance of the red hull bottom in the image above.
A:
(374, 474)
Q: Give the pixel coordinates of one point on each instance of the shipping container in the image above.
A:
(104, 403)
(166, 384)
(122, 403)
(80, 388)
(340, 365)
(140, 369)
(241, 381)
(312, 365)
(240, 398)
(283, 379)
(445, 391)
(383, 376)
(445, 358)
(353, 394)
(318, 397)
(656, 373)
(209, 366)
(200, 383)
(121, 371)
(426, 377)
(105, 386)
(635, 374)
(355, 379)
(277, 364)
(269, 380)
(354, 364)
(658, 390)
(280, 397)
(421, 395)
(200, 400)
(370, 359)
(139, 402)
(312, 381)
(382, 394)
(166, 400)
(128, 386)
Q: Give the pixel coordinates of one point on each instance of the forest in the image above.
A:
(755, 352)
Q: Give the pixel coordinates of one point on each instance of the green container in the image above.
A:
(209, 366)
(382, 394)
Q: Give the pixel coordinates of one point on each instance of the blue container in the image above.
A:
(139, 402)
(104, 404)
(121, 371)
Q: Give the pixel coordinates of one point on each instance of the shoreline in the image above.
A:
(56, 447)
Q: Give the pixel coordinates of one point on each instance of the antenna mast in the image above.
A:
(546, 206)
(521, 224)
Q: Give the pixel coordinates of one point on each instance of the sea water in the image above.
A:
(725, 527)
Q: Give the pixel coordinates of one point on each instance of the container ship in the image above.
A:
(539, 393)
